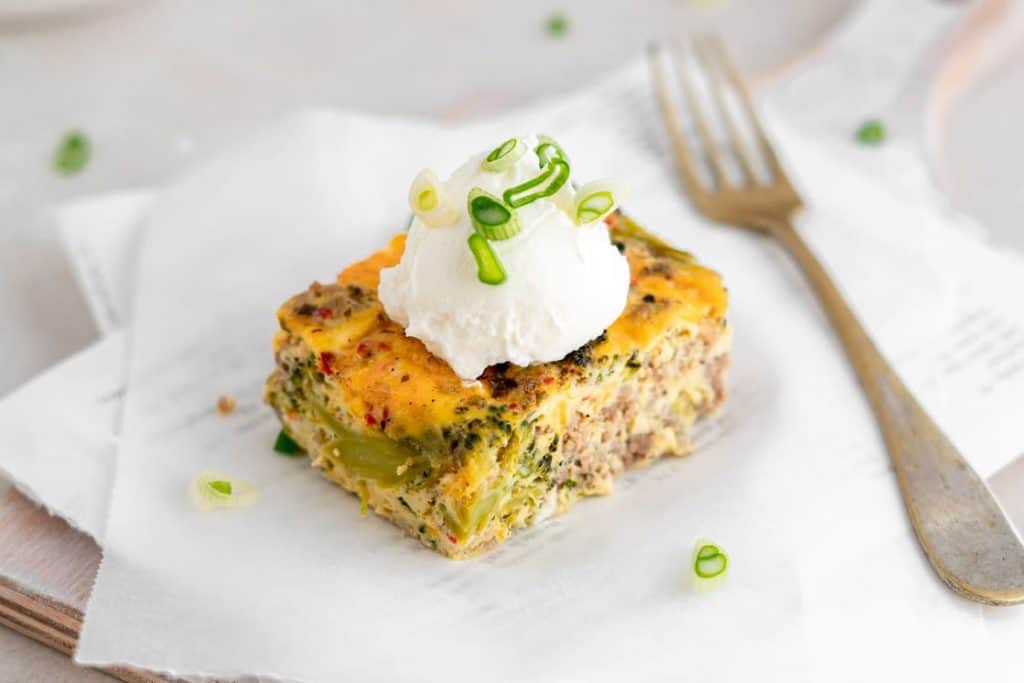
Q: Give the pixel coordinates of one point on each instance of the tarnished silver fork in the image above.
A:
(962, 529)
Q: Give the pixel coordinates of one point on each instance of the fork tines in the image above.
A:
(723, 116)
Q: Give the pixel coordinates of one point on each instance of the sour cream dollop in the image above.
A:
(565, 283)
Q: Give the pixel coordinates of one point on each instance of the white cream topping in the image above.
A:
(565, 283)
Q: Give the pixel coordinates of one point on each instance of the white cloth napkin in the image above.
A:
(797, 488)
(62, 424)
(60, 431)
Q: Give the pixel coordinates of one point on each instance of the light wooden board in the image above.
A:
(47, 571)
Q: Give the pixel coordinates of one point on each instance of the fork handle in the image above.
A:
(960, 526)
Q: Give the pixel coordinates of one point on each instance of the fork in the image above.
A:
(961, 527)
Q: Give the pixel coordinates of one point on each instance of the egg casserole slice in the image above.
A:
(458, 466)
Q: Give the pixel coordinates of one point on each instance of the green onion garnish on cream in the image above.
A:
(213, 490)
(528, 260)
(504, 156)
(548, 149)
(595, 200)
(547, 183)
(430, 202)
(488, 268)
(709, 566)
(491, 219)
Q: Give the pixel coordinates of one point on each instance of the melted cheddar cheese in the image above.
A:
(392, 383)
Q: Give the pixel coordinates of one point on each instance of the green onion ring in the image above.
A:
(430, 202)
(504, 155)
(488, 268)
(710, 565)
(491, 219)
(550, 180)
(212, 490)
(548, 149)
(595, 200)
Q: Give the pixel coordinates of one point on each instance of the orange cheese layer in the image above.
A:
(392, 382)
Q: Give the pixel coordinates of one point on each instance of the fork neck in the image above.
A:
(861, 349)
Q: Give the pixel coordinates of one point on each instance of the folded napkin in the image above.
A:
(62, 424)
(791, 478)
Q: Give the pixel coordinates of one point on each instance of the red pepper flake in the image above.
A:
(370, 419)
(452, 539)
(324, 313)
(326, 360)
(513, 405)
(548, 380)
(363, 349)
(384, 346)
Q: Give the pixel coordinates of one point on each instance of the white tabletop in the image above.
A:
(154, 82)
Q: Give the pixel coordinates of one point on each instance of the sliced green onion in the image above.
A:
(426, 200)
(488, 267)
(557, 25)
(285, 445)
(430, 202)
(72, 153)
(491, 219)
(221, 486)
(212, 490)
(871, 133)
(709, 566)
(504, 155)
(547, 149)
(547, 183)
(595, 200)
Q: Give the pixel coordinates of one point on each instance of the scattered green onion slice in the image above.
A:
(547, 149)
(491, 219)
(488, 267)
(430, 202)
(220, 486)
(547, 183)
(871, 133)
(557, 25)
(72, 153)
(595, 200)
(504, 155)
(709, 566)
(285, 445)
(213, 490)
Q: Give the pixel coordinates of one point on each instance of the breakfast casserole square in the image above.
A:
(460, 462)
